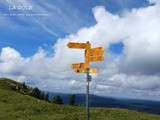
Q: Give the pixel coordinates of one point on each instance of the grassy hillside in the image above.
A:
(18, 106)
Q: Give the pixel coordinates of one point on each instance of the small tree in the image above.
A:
(36, 93)
(57, 100)
(46, 97)
(72, 99)
(42, 95)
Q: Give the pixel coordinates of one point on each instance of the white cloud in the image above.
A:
(154, 1)
(136, 71)
(9, 59)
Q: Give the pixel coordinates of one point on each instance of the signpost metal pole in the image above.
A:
(87, 96)
(91, 55)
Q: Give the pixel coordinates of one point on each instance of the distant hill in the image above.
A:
(15, 105)
(110, 102)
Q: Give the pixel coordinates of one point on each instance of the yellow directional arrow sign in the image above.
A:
(96, 54)
(78, 45)
(79, 70)
(97, 51)
(91, 70)
(79, 66)
(97, 58)
(91, 55)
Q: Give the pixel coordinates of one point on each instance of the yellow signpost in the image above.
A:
(97, 58)
(92, 70)
(97, 51)
(91, 55)
(78, 45)
(97, 54)
(79, 66)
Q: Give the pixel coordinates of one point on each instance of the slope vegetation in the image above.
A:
(15, 105)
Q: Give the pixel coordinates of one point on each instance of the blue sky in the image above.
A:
(26, 36)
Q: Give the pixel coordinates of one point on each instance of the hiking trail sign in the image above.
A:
(91, 55)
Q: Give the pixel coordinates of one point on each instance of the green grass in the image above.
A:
(17, 106)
